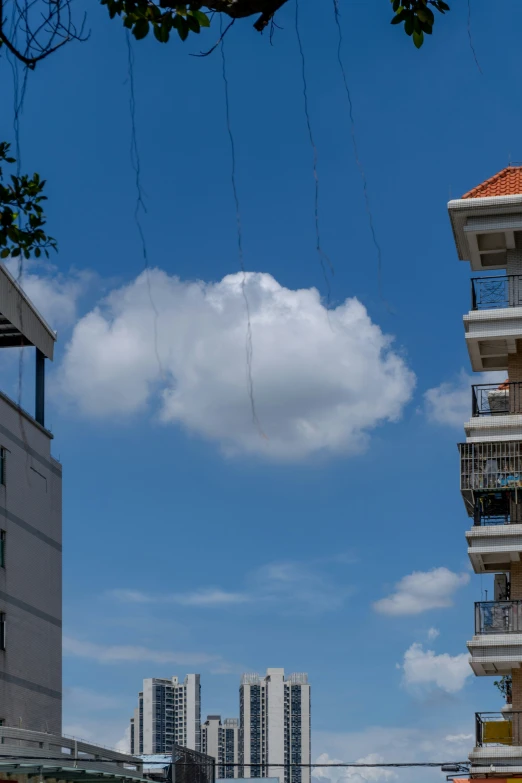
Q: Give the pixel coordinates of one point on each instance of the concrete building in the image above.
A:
(30, 536)
(487, 226)
(221, 740)
(275, 715)
(168, 713)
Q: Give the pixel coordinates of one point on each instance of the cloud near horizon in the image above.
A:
(322, 380)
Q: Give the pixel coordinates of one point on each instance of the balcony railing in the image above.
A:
(488, 293)
(498, 617)
(495, 465)
(495, 728)
(493, 399)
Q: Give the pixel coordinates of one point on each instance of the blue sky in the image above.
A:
(193, 542)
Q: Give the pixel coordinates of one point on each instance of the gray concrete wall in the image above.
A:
(31, 582)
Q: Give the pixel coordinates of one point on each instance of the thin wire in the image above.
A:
(239, 764)
(140, 204)
(322, 255)
(355, 147)
(471, 39)
(248, 344)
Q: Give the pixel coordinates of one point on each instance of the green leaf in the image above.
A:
(141, 29)
(182, 27)
(4, 253)
(418, 38)
(193, 23)
(409, 24)
(204, 21)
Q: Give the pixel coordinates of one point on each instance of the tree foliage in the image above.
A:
(22, 218)
(140, 16)
(417, 16)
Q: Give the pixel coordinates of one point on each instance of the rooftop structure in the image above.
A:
(28, 755)
(30, 535)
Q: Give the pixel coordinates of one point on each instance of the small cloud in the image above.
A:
(422, 590)
(352, 774)
(433, 633)
(424, 669)
(120, 653)
(450, 403)
(123, 745)
(284, 586)
(459, 739)
(203, 597)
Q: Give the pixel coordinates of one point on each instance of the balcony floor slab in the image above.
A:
(495, 653)
(492, 548)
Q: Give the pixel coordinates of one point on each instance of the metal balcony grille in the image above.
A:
(488, 293)
(487, 466)
(495, 728)
(492, 399)
(498, 617)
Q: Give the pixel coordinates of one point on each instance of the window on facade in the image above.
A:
(2, 631)
(2, 548)
(3, 453)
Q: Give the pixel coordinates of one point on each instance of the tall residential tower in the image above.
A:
(487, 226)
(168, 713)
(275, 715)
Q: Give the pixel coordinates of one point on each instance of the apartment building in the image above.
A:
(168, 713)
(221, 740)
(275, 720)
(30, 535)
(487, 226)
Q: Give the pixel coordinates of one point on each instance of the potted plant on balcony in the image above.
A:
(504, 685)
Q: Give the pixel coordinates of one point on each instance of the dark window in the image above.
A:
(2, 548)
(3, 453)
(2, 631)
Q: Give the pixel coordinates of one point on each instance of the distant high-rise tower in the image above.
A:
(221, 740)
(275, 718)
(168, 712)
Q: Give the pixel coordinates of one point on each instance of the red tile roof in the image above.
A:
(507, 182)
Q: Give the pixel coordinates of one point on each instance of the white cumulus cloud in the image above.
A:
(433, 633)
(423, 668)
(422, 590)
(450, 402)
(322, 380)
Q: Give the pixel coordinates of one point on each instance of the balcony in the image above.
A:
(493, 399)
(493, 728)
(489, 293)
(490, 466)
(498, 617)
(494, 323)
(495, 540)
(498, 744)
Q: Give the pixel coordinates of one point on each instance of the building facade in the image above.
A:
(168, 713)
(221, 740)
(30, 536)
(487, 226)
(275, 720)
